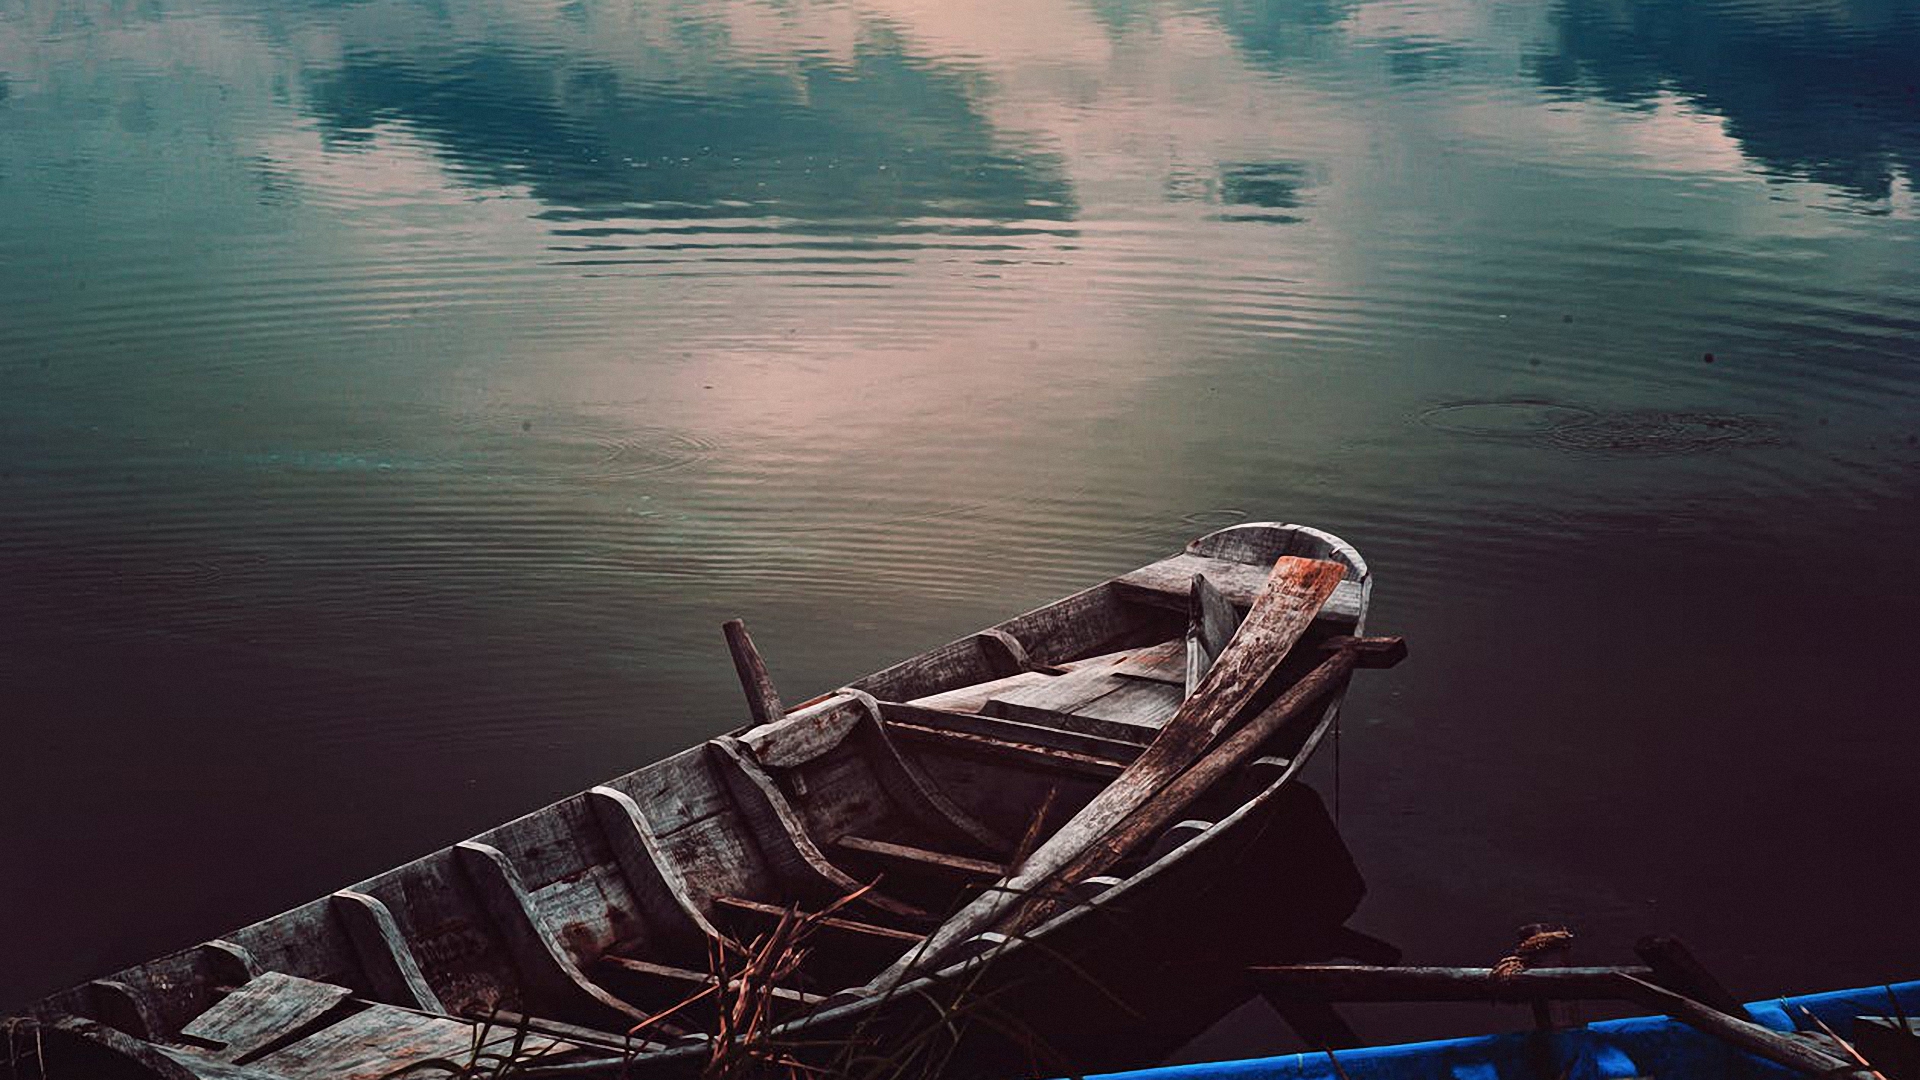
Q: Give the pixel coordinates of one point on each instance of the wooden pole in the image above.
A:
(1354, 982)
(1744, 1034)
(763, 702)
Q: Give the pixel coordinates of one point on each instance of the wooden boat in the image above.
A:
(888, 824)
(1875, 1020)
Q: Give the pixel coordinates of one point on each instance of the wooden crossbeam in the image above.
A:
(700, 978)
(860, 929)
(921, 857)
(1016, 753)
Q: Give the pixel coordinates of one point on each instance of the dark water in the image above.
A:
(395, 396)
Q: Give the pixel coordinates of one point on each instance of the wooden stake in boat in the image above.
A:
(1211, 621)
(763, 702)
(1293, 594)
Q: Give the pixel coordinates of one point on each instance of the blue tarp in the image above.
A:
(1608, 1050)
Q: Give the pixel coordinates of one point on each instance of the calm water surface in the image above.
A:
(395, 396)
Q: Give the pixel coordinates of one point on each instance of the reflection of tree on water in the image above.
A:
(1822, 91)
(1270, 32)
(889, 139)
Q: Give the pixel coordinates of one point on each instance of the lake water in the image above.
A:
(395, 397)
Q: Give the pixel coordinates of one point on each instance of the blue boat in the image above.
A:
(1643, 1046)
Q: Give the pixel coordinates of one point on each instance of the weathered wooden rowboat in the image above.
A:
(993, 807)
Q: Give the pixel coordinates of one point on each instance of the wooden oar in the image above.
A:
(1151, 817)
(1281, 614)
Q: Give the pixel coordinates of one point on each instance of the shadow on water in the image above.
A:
(1168, 981)
(1826, 92)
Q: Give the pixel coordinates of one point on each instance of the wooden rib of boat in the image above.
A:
(953, 823)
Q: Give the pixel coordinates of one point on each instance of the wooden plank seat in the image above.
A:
(1165, 662)
(1114, 706)
(380, 1039)
(1034, 728)
(1169, 583)
(285, 1026)
(688, 978)
(270, 1008)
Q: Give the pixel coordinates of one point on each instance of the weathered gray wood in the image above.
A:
(1113, 733)
(1176, 836)
(782, 835)
(1169, 583)
(270, 1007)
(1011, 656)
(953, 665)
(655, 879)
(380, 1040)
(121, 1006)
(157, 1062)
(504, 1020)
(1263, 771)
(1359, 982)
(690, 977)
(1211, 621)
(1137, 706)
(1155, 810)
(957, 865)
(1098, 620)
(805, 733)
(911, 790)
(834, 922)
(1165, 662)
(386, 959)
(1002, 751)
(973, 697)
(1042, 732)
(550, 977)
(1262, 542)
(1744, 1034)
(1294, 593)
(763, 702)
(1063, 693)
(230, 964)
